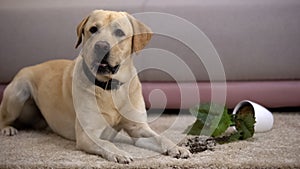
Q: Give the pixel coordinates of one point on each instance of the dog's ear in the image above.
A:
(80, 31)
(141, 34)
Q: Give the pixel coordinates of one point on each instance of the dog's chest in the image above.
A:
(110, 105)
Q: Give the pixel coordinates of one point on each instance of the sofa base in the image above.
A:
(271, 94)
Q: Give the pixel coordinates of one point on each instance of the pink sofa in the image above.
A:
(257, 42)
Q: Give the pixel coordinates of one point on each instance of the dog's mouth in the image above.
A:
(103, 67)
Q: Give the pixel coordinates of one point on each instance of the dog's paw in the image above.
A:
(179, 152)
(122, 158)
(9, 131)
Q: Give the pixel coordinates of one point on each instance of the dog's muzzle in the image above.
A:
(111, 84)
(102, 51)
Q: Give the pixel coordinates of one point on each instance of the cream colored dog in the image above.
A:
(93, 97)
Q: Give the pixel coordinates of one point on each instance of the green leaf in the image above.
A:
(194, 128)
(223, 124)
(212, 120)
(245, 120)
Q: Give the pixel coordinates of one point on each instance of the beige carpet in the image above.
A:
(279, 148)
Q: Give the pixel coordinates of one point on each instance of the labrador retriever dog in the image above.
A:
(92, 98)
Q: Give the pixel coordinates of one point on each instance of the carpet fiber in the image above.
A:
(278, 148)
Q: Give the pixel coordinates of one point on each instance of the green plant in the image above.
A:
(214, 119)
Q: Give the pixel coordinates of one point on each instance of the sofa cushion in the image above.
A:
(256, 40)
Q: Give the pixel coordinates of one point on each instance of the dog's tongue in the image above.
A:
(103, 65)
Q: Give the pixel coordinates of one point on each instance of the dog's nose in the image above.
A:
(102, 47)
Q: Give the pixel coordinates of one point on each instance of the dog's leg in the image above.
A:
(109, 133)
(141, 133)
(90, 143)
(14, 98)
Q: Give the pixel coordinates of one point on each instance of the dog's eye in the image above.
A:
(93, 29)
(119, 33)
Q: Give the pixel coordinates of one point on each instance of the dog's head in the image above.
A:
(109, 38)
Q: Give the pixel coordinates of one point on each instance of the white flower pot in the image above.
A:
(263, 117)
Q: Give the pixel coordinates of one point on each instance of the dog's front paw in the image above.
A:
(9, 131)
(122, 158)
(179, 152)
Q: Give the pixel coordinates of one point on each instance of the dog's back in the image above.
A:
(36, 92)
